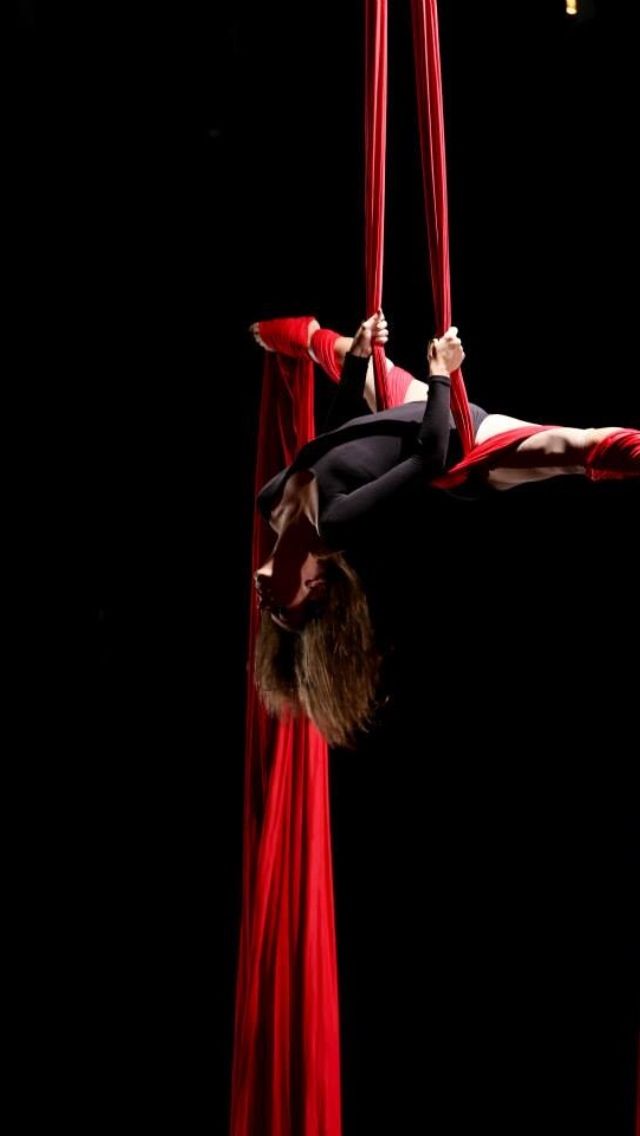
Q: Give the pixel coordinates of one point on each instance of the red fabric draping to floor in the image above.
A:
(286, 1059)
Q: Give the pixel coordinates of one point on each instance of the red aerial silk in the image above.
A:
(426, 47)
(485, 455)
(286, 1058)
(616, 456)
(375, 149)
(434, 168)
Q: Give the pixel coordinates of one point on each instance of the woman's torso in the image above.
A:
(359, 452)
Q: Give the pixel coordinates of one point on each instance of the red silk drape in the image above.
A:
(432, 146)
(484, 455)
(286, 1058)
(375, 150)
(426, 48)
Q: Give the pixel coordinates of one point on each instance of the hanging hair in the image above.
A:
(328, 669)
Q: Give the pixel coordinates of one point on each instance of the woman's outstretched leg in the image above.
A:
(607, 451)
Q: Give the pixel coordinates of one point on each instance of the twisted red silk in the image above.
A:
(615, 457)
(434, 169)
(375, 148)
(286, 1058)
(426, 48)
(484, 456)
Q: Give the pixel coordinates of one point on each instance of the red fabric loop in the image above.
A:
(323, 343)
(288, 336)
(398, 382)
(617, 456)
(482, 458)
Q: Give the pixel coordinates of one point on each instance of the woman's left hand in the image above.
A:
(373, 332)
(445, 354)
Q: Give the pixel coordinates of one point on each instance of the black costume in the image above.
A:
(360, 465)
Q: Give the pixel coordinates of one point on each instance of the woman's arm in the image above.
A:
(428, 460)
(349, 401)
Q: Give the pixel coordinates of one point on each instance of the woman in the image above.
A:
(316, 650)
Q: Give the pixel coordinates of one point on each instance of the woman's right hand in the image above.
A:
(373, 332)
(446, 354)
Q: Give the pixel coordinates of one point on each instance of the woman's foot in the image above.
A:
(298, 336)
(255, 332)
(288, 336)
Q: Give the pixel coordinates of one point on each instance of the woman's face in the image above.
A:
(290, 580)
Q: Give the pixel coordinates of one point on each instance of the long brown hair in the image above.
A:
(329, 669)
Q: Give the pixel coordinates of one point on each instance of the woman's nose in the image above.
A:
(264, 573)
(263, 579)
(263, 576)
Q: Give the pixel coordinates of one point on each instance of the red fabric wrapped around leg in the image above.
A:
(323, 347)
(323, 342)
(483, 457)
(398, 383)
(615, 457)
(287, 336)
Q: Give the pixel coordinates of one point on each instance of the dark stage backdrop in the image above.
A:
(177, 176)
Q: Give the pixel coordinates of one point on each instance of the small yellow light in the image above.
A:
(572, 7)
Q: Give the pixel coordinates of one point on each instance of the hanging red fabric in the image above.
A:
(432, 147)
(375, 151)
(286, 1057)
(426, 47)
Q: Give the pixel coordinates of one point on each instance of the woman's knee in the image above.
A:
(568, 442)
(562, 447)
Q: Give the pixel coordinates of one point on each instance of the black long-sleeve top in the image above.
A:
(361, 464)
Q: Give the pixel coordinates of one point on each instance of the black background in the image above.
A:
(175, 175)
